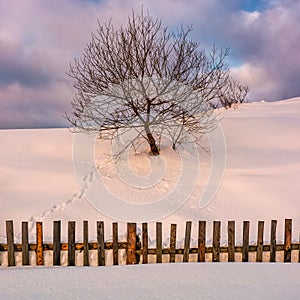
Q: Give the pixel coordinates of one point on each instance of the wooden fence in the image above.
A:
(137, 247)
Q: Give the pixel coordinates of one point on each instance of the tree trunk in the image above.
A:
(153, 147)
(151, 141)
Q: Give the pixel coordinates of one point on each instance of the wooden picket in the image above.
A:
(288, 240)
(273, 241)
(101, 243)
(71, 243)
(201, 241)
(56, 242)
(115, 244)
(25, 251)
(172, 243)
(10, 243)
(216, 241)
(260, 242)
(131, 240)
(145, 242)
(39, 244)
(231, 241)
(138, 251)
(158, 242)
(246, 232)
(187, 241)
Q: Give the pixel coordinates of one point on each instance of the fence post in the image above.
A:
(56, 242)
(101, 243)
(172, 243)
(187, 241)
(245, 249)
(10, 243)
(25, 252)
(86, 247)
(201, 241)
(260, 241)
(115, 244)
(71, 243)
(131, 244)
(273, 241)
(216, 241)
(231, 241)
(145, 242)
(158, 242)
(288, 240)
(39, 244)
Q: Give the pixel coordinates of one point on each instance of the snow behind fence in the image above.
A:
(135, 248)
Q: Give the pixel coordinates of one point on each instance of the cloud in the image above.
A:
(34, 107)
(38, 39)
(268, 42)
(20, 65)
(258, 77)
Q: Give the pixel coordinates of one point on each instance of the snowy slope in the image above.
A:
(260, 182)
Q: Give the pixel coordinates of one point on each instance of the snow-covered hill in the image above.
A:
(260, 180)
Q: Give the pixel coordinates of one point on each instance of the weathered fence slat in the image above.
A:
(231, 241)
(287, 240)
(273, 241)
(86, 250)
(201, 241)
(158, 242)
(39, 244)
(115, 244)
(260, 241)
(56, 242)
(245, 249)
(172, 243)
(101, 243)
(25, 242)
(145, 241)
(10, 243)
(216, 241)
(131, 244)
(71, 243)
(187, 241)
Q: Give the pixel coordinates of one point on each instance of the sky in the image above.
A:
(39, 38)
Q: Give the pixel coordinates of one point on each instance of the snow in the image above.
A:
(260, 182)
(172, 281)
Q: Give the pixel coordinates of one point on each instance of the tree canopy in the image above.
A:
(144, 78)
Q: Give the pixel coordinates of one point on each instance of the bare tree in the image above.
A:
(141, 77)
(234, 94)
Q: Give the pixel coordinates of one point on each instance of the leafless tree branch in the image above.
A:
(142, 77)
